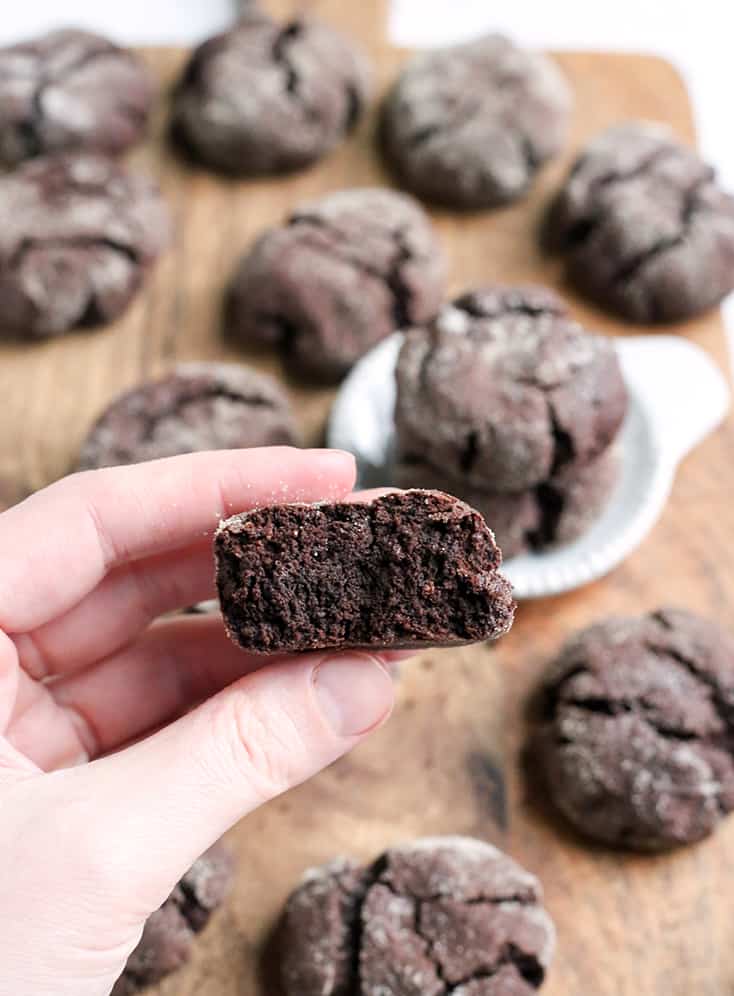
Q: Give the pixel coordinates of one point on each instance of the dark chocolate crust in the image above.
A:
(78, 235)
(70, 89)
(198, 406)
(637, 741)
(503, 391)
(170, 932)
(443, 916)
(645, 229)
(469, 125)
(554, 513)
(342, 273)
(268, 97)
(408, 569)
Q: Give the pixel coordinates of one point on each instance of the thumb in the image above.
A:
(168, 798)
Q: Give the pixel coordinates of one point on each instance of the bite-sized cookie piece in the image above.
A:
(198, 406)
(638, 730)
(555, 512)
(432, 917)
(77, 235)
(338, 276)
(70, 89)
(266, 97)
(469, 125)
(503, 391)
(408, 569)
(171, 931)
(645, 228)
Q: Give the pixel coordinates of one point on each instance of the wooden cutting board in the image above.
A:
(449, 760)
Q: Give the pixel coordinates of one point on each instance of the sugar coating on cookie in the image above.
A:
(198, 406)
(434, 916)
(267, 97)
(170, 932)
(637, 730)
(70, 89)
(408, 569)
(78, 233)
(469, 125)
(644, 227)
(339, 275)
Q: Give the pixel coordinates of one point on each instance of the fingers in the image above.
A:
(168, 798)
(175, 665)
(61, 542)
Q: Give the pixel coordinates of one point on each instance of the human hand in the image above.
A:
(129, 745)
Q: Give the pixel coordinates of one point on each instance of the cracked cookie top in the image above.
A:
(637, 739)
(469, 125)
(77, 233)
(170, 932)
(645, 229)
(504, 391)
(439, 916)
(267, 97)
(198, 406)
(342, 273)
(70, 90)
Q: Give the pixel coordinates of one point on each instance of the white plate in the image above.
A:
(677, 397)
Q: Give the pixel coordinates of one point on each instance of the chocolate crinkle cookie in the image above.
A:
(198, 406)
(70, 89)
(407, 569)
(644, 227)
(77, 235)
(267, 97)
(470, 125)
(338, 276)
(170, 932)
(637, 736)
(508, 403)
(439, 916)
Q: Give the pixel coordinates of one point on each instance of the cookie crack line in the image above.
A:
(83, 242)
(631, 267)
(173, 411)
(279, 50)
(391, 275)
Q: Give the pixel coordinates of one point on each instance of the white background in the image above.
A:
(696, 36)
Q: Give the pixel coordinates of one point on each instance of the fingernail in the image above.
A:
(354, 693)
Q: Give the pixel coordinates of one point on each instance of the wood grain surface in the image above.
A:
(450, 760)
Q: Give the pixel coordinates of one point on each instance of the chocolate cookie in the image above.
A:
(70, 90)
(645, 229)
(342, 273)
(637, 744)
(170, 932)
(439, 916)
(408, 569)
(77, 235)
(555, 512)
(267, 97)
(199, 406)
(503, 391)
(469, 125)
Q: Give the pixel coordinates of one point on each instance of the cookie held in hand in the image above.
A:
(408, 569)
(637, 736)
(433, 916)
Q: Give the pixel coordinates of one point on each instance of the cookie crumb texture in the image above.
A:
(342, 273)
(170, 932)
(637, 743)
(70, 89)
(409, 569)
(77, 236)
(268, 97)
(199, 406)
(469, 125)
(443, 916)
(644, 227)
